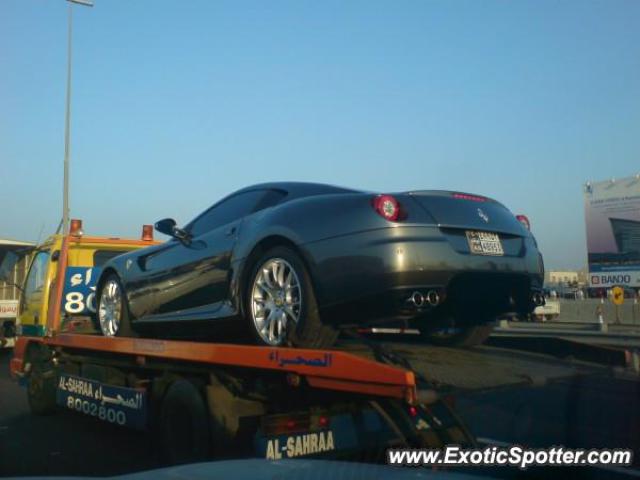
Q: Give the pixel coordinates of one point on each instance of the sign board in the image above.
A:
(8, 308)
(118, 405)
(79, 294)
(612, 217)
(617, 295)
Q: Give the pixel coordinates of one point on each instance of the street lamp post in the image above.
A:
(67, 122)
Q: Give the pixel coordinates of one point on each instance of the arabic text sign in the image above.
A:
(8, 308)
(283, 360)
(612, 216)
(118, 405)
(79, 295)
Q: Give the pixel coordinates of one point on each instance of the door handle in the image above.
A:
(230, 231)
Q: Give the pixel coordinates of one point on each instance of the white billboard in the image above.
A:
(612, 216)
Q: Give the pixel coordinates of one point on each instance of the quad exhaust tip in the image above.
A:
(417, 299)
(432, 298)
(537, 299)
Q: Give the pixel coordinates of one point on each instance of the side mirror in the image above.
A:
(168, 227)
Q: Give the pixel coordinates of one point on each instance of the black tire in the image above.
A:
(310, 331)
(467, 336)
(124, 329)
(183, 425)
(41, 387)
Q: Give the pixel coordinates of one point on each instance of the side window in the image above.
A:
(233, 208)
(270, 198)
(37, 275)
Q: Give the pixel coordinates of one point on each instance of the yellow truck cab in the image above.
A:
(85, 257)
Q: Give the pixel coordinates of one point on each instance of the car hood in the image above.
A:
(260, 469)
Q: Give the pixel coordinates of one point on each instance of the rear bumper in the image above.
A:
(397, 261)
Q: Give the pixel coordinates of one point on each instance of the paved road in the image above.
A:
(64, 443)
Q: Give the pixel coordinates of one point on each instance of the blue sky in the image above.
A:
(178, 103)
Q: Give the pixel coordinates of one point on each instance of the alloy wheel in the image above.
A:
(110, 308)
(276, 300)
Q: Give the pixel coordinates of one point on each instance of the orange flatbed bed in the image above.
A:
(324, 369)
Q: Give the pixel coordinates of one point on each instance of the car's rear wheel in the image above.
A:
(281, 307)
(451, 335)
(113, 311)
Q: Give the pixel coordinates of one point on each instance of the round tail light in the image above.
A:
(524, 221)
(387, 207)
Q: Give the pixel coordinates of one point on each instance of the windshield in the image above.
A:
(398, 238)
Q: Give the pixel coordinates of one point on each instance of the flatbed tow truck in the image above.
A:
(201, 400)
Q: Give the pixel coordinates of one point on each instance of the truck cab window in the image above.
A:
(37, 275)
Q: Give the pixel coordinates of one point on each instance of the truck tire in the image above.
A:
(184, 425)
(467, 336)
(41, 388)
(307, 331)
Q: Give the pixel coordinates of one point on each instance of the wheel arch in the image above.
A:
(103, 276)
(36, 351)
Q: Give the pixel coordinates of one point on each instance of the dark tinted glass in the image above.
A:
(100, 257)
(270, 198)
(229, 210)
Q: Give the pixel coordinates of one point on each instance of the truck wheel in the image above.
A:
(281, 307)
(41, 389)
(113, 312)
(184, 425)
(467, 336)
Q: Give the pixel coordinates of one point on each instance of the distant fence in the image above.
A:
(587, 311)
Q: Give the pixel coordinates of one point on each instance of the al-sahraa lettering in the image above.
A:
(88, 389)
(76, 386)
(299, 445)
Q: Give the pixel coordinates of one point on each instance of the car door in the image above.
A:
(192, 277)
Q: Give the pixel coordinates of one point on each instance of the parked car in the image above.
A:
(290, 263)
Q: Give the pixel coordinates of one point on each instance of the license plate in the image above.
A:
(484, 243)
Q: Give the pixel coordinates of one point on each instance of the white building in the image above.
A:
(562, 277)
(10, 282)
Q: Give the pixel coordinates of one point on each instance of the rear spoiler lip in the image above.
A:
(448, 193)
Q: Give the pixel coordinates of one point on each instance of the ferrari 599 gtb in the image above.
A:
(292, 263)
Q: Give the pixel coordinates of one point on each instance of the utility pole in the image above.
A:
(67, 120)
